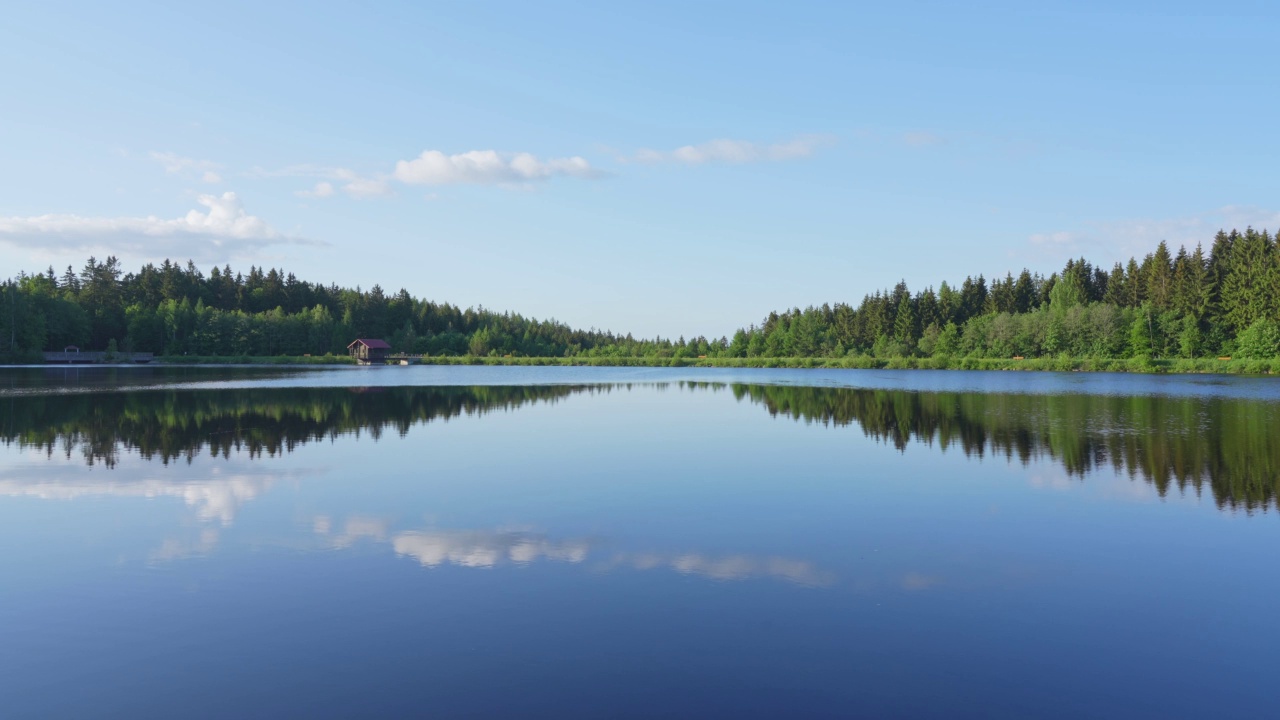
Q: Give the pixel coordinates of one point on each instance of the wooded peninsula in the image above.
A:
(1189, 311)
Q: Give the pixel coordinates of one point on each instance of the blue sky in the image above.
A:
(655, 168)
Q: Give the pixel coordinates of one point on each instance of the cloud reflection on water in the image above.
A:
(480, 549)
(216, 498)
(175, 548)
(493, 548)
(730, 567)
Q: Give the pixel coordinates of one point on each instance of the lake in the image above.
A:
(636, 542)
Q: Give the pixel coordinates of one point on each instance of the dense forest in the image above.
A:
(1186, 304)
(178, 310)
(1191, 304)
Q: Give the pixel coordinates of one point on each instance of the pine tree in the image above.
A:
(973, 297)
(1219, 265)
(1024, 292)
(1001, 298)
(1116, 287)
(1135, 285)
(904, 324)
(1159, 277)
(1182, 292)
(927, 307)
(1246, 288)
(70, 281)
(948, 304)
(1190, 281)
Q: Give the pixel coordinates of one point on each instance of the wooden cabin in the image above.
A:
(367, 351)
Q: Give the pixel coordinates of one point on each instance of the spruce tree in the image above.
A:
(1116, 287)
(1247, 287)
(1135, 285)
(904, 324)
(1159, 277)
(1024, 292)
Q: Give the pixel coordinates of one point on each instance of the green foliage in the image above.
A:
(1248, 288)
(1259, 340)
(948, 340)
(1182, 305)
(1190, 340)
(1140, 334)
(1066, 293)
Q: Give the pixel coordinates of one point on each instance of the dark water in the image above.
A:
(499, 542)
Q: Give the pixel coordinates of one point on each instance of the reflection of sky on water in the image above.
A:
(494, 548)
(481, 549)
(95, 379)
(216, 498)
(641, 543)
(728, 567)
(1180, 443)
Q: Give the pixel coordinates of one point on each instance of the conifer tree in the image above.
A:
(1135, 285)
(1116, 287)
(1024, 292)
(1247, 287)
(904, 325)
(1159, 277)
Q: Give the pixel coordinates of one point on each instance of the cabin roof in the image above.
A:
(371, 344)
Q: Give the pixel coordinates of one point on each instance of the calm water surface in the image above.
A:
(631, 542)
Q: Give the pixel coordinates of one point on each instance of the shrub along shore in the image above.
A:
(863, 362)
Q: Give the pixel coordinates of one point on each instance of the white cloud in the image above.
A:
(361, 187)
(331, 179)
(734, 151)
(175, 164)
(222, 230)
(432, 167)
(1122, 239)
(487, 167)
(1242, 216)
(1057, 238)
(323, 189)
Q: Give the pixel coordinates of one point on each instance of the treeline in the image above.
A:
(173, 309)
(1189, 304)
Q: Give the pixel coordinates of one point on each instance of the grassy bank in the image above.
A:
(1059, 364)
(255, 360)
(1139, 365)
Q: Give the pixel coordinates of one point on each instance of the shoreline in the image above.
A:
(1202, 366)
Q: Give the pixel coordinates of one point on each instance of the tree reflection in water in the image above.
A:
(1230, 445)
